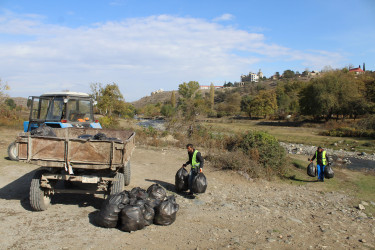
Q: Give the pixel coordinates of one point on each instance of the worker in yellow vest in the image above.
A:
(196, 161)
(321, 162)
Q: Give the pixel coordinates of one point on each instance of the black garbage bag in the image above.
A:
(199, 183)
(108, 214)
(85, 136)
(100, 136)
(153, 202)
(148, 214)
(165, 213)
(181, 180)
(328, 172)
(155, 191)
(138, 193)
(140, 203)
(43, 130)
(311, 170)
(132, 218)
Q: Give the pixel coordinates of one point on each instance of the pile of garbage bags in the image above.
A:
(99, 137)
(43, 130)
(134, 210)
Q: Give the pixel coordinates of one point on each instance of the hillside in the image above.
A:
(166, 95)
(155, 98)
(20, 101)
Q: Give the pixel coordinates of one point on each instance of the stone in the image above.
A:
(362, 240)
(364, 203)
(295, 220)
(361, 207)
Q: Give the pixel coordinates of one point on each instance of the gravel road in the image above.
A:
(234, 213)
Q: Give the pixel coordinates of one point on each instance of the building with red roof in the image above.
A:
(357, 70)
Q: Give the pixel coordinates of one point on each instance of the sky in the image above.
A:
(146, 45)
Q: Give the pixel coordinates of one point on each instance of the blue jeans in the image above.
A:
(320, 172)
(192, 174)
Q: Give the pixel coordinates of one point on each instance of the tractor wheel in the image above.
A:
(117, 184)
(13, 151)
(39, 197)
(127, 173)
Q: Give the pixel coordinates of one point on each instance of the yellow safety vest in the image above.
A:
(324, 159)
(194, 162)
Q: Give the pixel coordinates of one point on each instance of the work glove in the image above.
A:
(184, 165)
(200, 170)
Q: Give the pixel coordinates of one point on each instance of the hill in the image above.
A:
(161, 97)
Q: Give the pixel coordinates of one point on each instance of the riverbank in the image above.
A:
(351, 159)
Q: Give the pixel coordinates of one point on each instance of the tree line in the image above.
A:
(334, 94)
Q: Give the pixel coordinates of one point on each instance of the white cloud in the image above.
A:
(224, 17)
(140, 54)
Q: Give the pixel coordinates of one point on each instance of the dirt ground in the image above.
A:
(234, 213)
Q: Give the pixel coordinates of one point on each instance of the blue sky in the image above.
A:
(147, 45)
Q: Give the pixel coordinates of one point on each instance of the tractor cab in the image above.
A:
(61, 110)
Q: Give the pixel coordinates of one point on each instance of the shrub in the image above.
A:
(261, 147)
(108, 122)
(236, 160)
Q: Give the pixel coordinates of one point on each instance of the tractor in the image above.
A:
(58, 110)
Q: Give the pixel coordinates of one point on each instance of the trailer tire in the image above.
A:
(39, 199)
(118, 184)
(13, 151)
(127, 173)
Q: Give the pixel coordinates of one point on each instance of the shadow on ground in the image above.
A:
(19, 190)
(293, 178)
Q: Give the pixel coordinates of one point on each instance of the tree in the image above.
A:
(167, 110)
(246, 103)
(191, 102)
(332, 94)
(173, 99)
(109, 98)
(10, 103)
(288, 74)
(212, 96)
(305, 73)
(188, 90)
(264, 103)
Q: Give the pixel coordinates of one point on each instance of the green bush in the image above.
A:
(108, 122)
(261, 147)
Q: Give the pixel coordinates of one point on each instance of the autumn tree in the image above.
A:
(264, 103)
(173, 99)
(191, 101)
(246, 103)
(212, 96)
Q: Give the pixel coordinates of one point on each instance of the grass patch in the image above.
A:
(359, 185)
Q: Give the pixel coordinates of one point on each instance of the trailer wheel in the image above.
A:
(13, 151)
(118, 184)
(39, 197)
(127, 173)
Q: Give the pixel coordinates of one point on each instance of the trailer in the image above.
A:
(76, 155)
